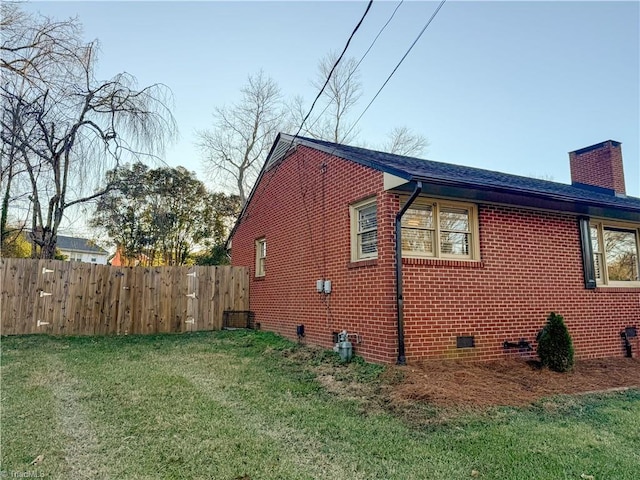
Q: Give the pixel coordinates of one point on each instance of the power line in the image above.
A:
(393, 14)
(361, 59)
(373, 99)
(398, 65)
(323, 187)
(303, 194)
(335, 65)
(245, 208)
(246, 212)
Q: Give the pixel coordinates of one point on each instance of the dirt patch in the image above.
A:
(506, 382)
(347, 390)
(83, 454)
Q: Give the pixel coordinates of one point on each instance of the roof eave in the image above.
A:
(265, 166)
(277, 154)
(80, 250)
(524, 198)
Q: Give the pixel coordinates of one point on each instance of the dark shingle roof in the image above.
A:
(79, 245)
(461, 177)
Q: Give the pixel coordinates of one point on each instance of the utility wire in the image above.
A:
(303, 193)
(360, 61)
(245, 208)
(335, 65)
(398, 65)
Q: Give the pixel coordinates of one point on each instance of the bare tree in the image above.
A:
(65, 128)
(242, 134)
(34, 52)
(402, 141)
(11, 163)
(330, 119)
(35, 48)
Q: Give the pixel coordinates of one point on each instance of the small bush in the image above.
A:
(555, 347)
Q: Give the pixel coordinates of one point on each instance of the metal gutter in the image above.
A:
(402, 359)
(510, 197)
(630, 204)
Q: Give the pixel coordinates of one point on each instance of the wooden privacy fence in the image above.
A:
(73, 298)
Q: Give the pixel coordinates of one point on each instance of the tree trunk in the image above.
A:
(48, 250)
(5, 205)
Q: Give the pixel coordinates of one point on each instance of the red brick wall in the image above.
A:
(304, 215)
(600, 166)
(531, 265)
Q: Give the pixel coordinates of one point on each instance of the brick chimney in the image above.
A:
(600, 166)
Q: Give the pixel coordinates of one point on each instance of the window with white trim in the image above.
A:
(364, 230)
(261, 257)
(440, 229)
(615, 253)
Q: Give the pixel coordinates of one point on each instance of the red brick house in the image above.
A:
(485, 256)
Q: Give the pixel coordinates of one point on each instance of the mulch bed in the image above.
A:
(507, 382)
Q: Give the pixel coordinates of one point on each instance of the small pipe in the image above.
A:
(522, 344)
(402, 359)
(627, 344)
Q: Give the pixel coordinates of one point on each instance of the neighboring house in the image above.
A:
(81, 250)
(119, 259)
(486, 256)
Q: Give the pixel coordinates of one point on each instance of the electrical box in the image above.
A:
(327, 286)
(319, 286)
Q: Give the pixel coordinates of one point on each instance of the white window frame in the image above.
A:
(356, 232)
(600, 254)
(261, 257)
(436, 205)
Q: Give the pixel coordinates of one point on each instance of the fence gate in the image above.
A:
(74, 298)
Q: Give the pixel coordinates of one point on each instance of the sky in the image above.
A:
(509, 86)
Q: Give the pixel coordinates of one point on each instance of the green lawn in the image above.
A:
(248, 405)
